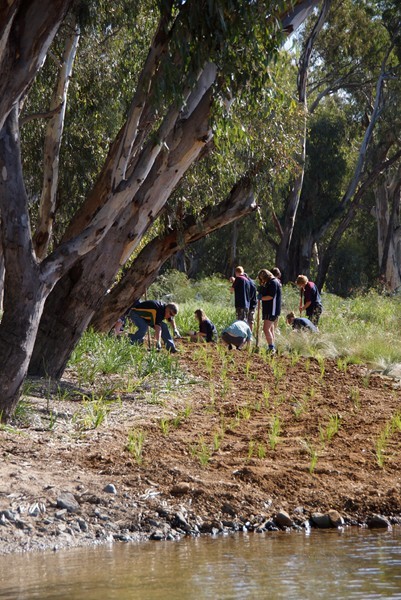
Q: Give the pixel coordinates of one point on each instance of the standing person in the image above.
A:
(277, 274)
(309, 300)
(270, 294)
(152, 313)
(253, 302)
(237, 334)
(300, 323)
(207, 330)
(241, 288)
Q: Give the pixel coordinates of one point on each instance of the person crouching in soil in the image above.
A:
(299, 323)
(207, 330)
(270, 294)
(238, 334)
(309, 300)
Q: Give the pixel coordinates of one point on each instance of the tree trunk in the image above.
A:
(388, 198)
(54, 132)
(146, 266)
(232, 251)
(75, 299)
(24, 290)
(27, 30)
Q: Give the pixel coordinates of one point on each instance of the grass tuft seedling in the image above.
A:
(313, 455)
(136, 441)
(164, 424)
(342, 364)
(203, 452)
(274, 432)
(355, 397)
(266, 397)
(331, 429)
(261, 451)
(93, 413)
(244, 412)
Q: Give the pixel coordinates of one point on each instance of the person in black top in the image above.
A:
(207, 330)
(310, 300)
(270, 294)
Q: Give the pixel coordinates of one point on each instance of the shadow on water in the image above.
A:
(324, 564)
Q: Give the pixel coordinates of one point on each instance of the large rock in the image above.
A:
(378, 522)
(320, 520)
(283, 519)
(335, 518)
(67, 500)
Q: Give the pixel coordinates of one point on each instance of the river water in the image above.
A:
(322, 564)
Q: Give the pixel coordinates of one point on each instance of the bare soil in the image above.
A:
(209, 461)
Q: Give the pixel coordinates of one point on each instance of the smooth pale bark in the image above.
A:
(27, 29)
(53, 137)
(76, 298)
(146, 266)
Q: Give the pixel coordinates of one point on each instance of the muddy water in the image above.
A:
(325, 564)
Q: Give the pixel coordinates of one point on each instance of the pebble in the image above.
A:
(110, 489)
(181, 488)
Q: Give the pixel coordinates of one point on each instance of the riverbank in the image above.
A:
(233, 441)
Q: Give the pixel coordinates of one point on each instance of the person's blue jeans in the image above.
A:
(139, 336)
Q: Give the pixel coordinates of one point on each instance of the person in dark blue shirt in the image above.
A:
(312, 302)
(300, 323)
(240, 286)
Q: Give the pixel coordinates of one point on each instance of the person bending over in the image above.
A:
(152, 313)
(207, 330)
(299, 323)
(238, 334)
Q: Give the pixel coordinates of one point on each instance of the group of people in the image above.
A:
(249, 301)
(267, 295)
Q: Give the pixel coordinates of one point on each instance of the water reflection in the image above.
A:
(325, 564)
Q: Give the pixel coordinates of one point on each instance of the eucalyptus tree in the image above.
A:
(351, 60)
(195, 60)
